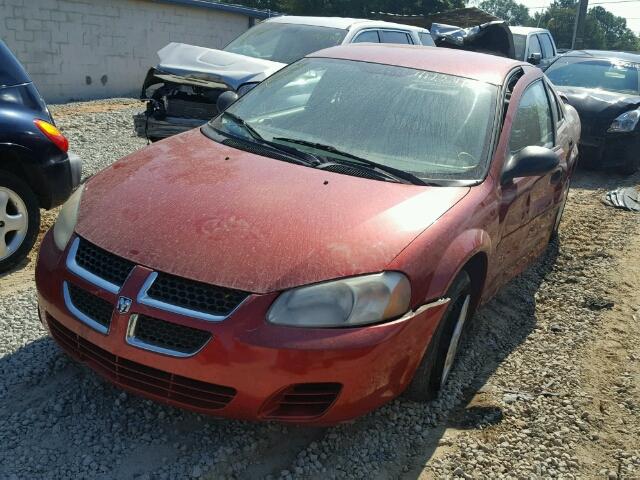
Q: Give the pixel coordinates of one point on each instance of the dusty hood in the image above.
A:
(181, 63)
(598, 108)
(197, 209)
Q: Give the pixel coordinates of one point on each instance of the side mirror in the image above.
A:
(535, 58)
(530, 162)
(225, 100)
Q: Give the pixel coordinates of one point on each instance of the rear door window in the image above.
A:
(520, 43)
(368, 36)
(547, 46)
(392, 36)
(426, 39)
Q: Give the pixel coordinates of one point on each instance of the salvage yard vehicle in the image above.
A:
(604, 87)
(182, 90)
(308, 255)
(36, 170)
(533, 45)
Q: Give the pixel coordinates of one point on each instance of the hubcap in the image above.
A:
(455, 340)
(14, 222)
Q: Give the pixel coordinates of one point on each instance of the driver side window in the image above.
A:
(533, 123)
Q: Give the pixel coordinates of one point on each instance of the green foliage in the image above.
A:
(514, 13)
(602, 31)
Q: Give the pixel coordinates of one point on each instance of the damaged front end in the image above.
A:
(493, 38)
(182, 90)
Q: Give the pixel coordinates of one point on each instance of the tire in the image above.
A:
(19, 220)
(433, 372)
(556, 223)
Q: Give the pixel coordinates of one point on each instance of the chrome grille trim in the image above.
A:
(136, 342)
(80, 315)
(145, 299)
(73, 267)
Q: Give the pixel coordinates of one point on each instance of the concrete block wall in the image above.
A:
(88, 49)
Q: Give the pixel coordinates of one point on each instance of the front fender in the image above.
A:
(459, 252)
(432, 265)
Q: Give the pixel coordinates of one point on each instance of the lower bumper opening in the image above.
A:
(302, 401)
(157, 383)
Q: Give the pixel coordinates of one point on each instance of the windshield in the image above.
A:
(519, 44)
(431, 125)
(285, 42)
(616, 76)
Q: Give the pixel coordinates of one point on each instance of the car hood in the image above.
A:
(590, 102)
(194, 208)
(189, 64)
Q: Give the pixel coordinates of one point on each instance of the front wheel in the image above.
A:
(433, 372)
(19, 220)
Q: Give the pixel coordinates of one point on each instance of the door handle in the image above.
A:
(557, 176)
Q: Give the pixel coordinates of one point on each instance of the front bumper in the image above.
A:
(250, 369)
(57, 179)
(611, 151)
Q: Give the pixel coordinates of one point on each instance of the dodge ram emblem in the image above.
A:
(124, 305)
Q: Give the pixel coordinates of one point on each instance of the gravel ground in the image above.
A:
(548, 386)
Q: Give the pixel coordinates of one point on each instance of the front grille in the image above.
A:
(182, 390)
(188, 108)
(103, 264)
(196, 296)
(95, 308)
(302, 400)
(170, 336)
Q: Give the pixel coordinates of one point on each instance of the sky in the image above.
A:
(627, 9)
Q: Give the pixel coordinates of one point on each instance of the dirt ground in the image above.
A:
(549, 386)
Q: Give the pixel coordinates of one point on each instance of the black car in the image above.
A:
(604, 87)
(36, 170)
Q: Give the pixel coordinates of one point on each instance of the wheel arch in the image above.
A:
(469, 251)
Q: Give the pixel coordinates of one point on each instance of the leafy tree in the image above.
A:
(602, 31)
(514, 13)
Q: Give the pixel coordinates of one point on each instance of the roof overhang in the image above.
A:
(222, 7)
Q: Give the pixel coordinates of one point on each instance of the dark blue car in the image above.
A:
(36, 169)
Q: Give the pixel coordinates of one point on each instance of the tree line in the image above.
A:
(603, 30)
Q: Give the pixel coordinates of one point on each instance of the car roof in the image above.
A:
(609, 54)
(341, 23)
(477, 66)
(527, 30)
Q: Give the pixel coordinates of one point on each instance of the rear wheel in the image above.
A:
(438, 361)
(19, 220)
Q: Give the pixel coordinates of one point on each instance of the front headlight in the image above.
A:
(344, 303)
(246, 88)
(626, 122)
(67, 218)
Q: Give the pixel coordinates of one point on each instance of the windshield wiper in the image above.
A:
(398, 174)
(304, 157)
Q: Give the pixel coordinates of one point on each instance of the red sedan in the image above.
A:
(319, 247)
